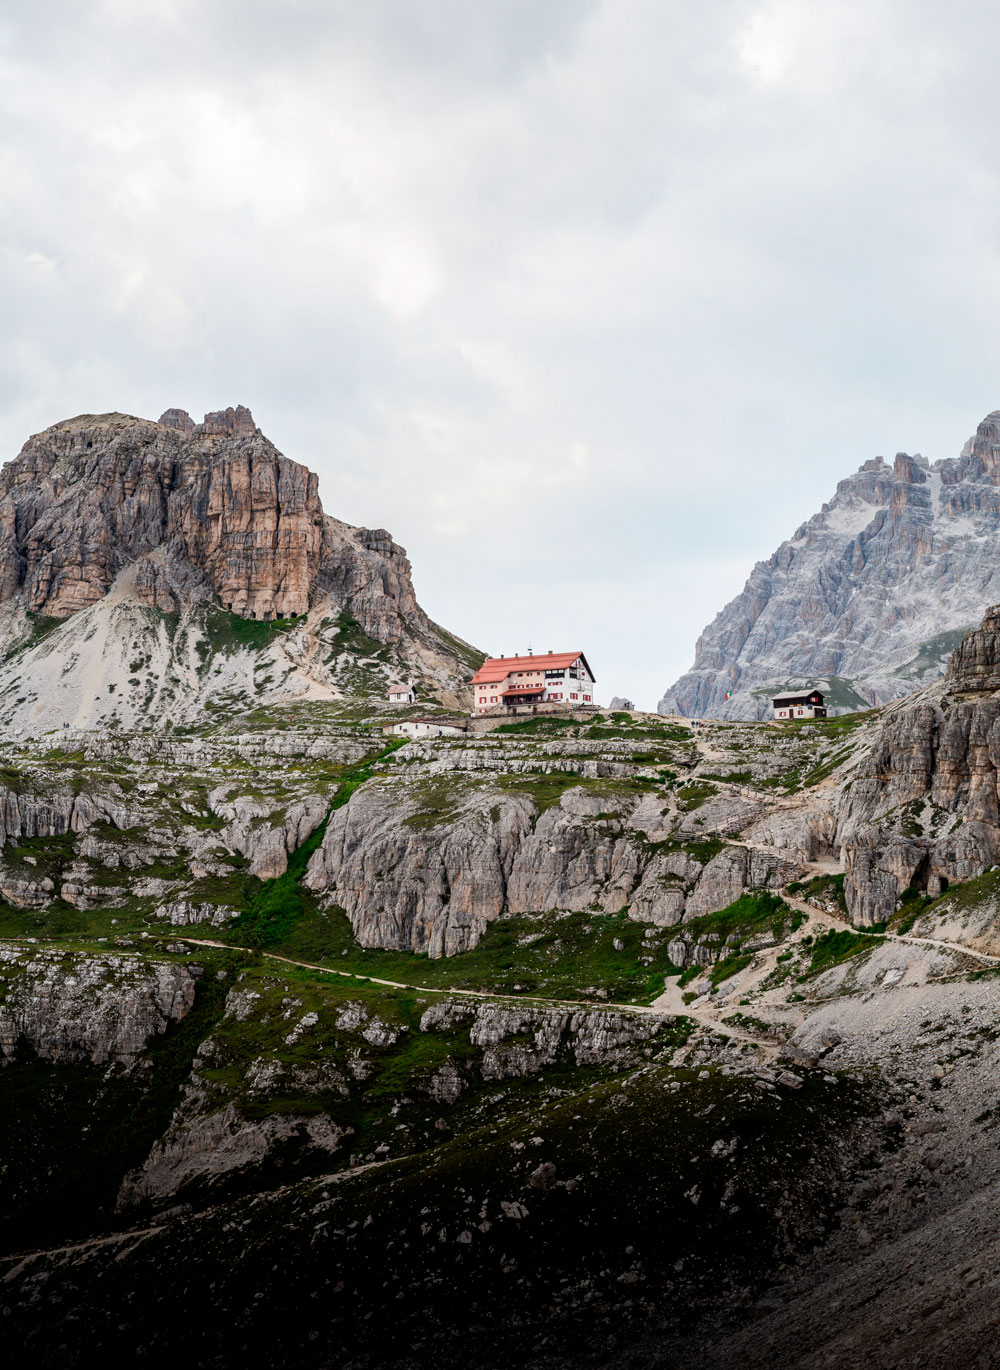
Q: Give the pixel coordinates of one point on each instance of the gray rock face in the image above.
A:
(515, 1042)
(413, 887)
(732, 871)
(869, 595)
(975, 663)
(431, 882)
(620, 702)
(70, 1006)
(267, 849)
(923, 808)
(214, 1149)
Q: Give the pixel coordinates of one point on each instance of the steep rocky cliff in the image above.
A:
(869, 596)
(923, 809)
(132, 553)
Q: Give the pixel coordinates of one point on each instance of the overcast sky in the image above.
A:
(590, 302)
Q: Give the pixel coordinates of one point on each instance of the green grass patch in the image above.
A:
(225, 632)
(748, 916)
(731, 965)
(835, 947)
(552, 955)
(694, 794)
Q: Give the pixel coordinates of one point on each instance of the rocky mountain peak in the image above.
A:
(868, 597)
(231, 519)
(228, 423)
(986, 445)
(175, 516)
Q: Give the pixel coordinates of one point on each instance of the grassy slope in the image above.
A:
(648, 1222)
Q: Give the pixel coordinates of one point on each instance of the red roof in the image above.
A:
(497, 668)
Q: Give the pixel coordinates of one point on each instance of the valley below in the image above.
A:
(596, 1040)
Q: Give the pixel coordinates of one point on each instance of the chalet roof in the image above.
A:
(497, 668)
(796, 694)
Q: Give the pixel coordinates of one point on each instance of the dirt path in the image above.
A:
(747, 982)
(834, 921)
(434, 989)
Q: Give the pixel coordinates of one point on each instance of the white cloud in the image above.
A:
(643, 275)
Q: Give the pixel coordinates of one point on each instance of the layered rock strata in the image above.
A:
(129, 549)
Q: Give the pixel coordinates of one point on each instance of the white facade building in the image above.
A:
(427, 727)
(799, 704)
(552, 680)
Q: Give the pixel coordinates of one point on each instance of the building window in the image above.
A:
(573, 696)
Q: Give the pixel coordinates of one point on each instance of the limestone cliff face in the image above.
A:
(415, 878)
(975, 663)
(104, 518)
(923, 809)
(68, 1006)
(90, 496)
(869, 595)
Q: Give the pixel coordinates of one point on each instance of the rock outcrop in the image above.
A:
(211, 1152)
(975, 664)
(868, 597)
(69, 1006)
(413, 875)
(923, 809)
(92, 495)
(209, 510)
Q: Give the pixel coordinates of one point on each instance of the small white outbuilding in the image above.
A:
(427, 727)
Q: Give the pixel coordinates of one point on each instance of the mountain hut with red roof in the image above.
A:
(543, 683)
